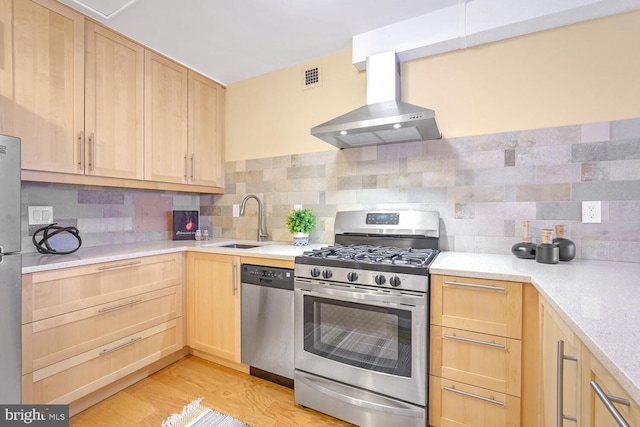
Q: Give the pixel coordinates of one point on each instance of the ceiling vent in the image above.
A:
(106, 8)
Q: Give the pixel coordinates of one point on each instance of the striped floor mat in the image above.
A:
(196, 415)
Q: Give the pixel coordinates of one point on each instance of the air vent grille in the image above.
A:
(311, 77)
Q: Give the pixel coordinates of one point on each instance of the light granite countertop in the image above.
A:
(598, 299)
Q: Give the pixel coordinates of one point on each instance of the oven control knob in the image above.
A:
(315, 272)
(352, 276)
(395, 281)
(380, 279)
(327, 274)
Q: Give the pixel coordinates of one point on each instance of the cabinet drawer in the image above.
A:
(72, 378)
(456, 404)
(487, 306)
(57, 338)
(51, 293)
(486, 361)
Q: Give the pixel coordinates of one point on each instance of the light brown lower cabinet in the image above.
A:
(86, 328)
(483, 353)
(596, 379)
(77, 376)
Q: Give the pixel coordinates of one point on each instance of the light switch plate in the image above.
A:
(236, 211)
(40, 215)
(297, 207)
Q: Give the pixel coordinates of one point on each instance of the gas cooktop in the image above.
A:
(379, 255)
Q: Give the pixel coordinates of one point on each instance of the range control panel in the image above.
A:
(376, 218)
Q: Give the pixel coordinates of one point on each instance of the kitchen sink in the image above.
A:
(238, 246)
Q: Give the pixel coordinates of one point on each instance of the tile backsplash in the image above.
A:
(483, 187)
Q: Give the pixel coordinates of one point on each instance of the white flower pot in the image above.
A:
(300, 239)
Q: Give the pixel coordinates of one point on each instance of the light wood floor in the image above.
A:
(244, 397)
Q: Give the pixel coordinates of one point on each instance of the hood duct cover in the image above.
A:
(385, 119)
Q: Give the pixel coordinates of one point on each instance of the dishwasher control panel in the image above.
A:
(267, 276)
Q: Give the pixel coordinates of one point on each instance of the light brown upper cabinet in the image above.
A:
(184, 124)
(114, 105)
(95, 108)
(42, 82)
(206, 131)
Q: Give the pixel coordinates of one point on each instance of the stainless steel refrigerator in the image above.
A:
(10, 271)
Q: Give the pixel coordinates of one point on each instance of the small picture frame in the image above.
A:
(185, 224)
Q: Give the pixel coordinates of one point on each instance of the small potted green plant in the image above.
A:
(301, 223)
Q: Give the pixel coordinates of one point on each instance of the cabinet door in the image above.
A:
(206, 131)
(553, 330)
(595, 413)
(213, 304)
(165, 119)
(42, 82)
(114, 103)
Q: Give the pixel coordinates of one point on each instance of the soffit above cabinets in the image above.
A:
(230, 41)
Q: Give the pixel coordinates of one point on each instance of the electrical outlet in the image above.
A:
(236, 211)
(591, 212)
(297, 207)
(40, 215)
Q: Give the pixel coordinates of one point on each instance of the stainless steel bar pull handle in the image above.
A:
(81, 142)
(560, 358)
(608, 403)
(193, 166)
(472, 341)
(234, 287)
(126, 264)
(119, 346)
(92, 146)
(186, 166)
(475, 396)
(115, 307)
(474, 285)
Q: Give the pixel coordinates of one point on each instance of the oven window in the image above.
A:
(369, 337)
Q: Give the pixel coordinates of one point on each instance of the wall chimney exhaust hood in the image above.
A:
(385, 119)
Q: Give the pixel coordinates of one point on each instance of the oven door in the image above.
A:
(371, 338)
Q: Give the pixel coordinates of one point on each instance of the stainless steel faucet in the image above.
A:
(262, 229)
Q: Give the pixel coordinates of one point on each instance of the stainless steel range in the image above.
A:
(361, 319)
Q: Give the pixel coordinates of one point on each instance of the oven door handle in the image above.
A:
(395, 408)
(365, 295)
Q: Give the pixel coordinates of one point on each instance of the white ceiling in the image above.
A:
(232, 40)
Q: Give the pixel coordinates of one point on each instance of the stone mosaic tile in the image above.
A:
(399, 151)
(595, 132)
(510, 175)
(153, 213)
(571, 211)
(408, 180)
(558, 173)
(312, 171)
(625, 129)
(625, 251)
(507, 210)
(543, 192)
(606, 190)
(476, 194)
(609, 150)
(547, 155)
(627, 210)
(101, 197)
(509, 157)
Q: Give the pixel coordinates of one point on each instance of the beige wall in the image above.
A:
(582, 73)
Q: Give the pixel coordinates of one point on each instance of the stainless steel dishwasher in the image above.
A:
(267, 322)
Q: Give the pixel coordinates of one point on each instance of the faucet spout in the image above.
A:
(262, 229)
